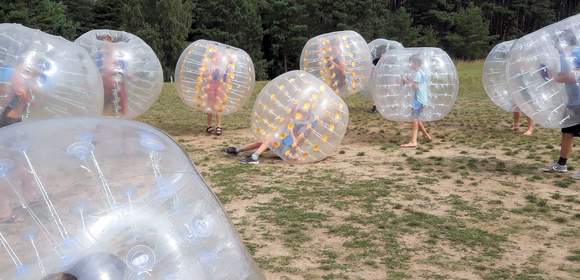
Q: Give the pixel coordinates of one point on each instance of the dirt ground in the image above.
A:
(470, 205)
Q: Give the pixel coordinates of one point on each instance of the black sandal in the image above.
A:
(209, 130)
(218, 131)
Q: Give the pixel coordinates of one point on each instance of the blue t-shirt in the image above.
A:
(422, 91)
(6, 72)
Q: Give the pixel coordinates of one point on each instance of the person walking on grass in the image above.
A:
(569, 75)
(419, 83)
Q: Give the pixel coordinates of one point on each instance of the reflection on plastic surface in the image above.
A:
(109, 197)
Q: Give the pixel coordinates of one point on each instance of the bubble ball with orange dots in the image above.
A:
(214, 78)
(341, 59)
(299, 117)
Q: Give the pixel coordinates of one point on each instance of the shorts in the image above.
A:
(417, 108)
(574, 130)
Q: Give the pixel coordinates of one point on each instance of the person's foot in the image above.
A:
(218, 131)
(250, 160)
(231, 151)
(209, 130)
(576, 176)
(428, 137)
(528, 132)
(374, 109)
(409, 145)
(515, 128)
(555, 168)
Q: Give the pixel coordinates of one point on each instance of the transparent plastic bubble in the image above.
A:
(341, 59)
(44, 76)
(131, 72)
(94, 202)
(415, 84)
(495, 77)
(214, 78)
(378, 48)
(542, 74)
(299, 117)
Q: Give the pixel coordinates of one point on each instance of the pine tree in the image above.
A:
(232, 22)
(107, 14)
(284, 34)
(81, 13)
(469, 38)
(163, 24)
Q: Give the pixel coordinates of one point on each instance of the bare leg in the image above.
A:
(249, 147)
(219, 120)
(263, 147)
(531, 126)
(566, 145)
(414, 132)
(517, 117)
(209, 119)
(425, 132)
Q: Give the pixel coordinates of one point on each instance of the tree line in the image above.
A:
(273, 32)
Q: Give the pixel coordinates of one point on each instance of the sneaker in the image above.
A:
(555, 167)
(250, 160)
(231, 151)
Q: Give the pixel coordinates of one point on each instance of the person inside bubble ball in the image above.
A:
(569, 50)
(336, 68)
(23, 79)
(300, 121)
(114, 82)
(375, 62)
(526, 80)
(419, 84)
(215, 95)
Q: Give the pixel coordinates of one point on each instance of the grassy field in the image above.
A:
(470, 205)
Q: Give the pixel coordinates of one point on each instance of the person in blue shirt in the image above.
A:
(297, 126)
(569, 51)
(418, 81)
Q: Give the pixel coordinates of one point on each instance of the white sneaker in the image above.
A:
(556, 168)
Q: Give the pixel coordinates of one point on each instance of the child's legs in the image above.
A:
(262, 148)
(517, 117)
(414, 132)
(531, 124)
(209, 119)
(422, 128)
(566, 145)
(249, 147)
(218, 120)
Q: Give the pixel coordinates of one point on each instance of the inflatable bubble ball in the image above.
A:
(109, 199)
(299, 117)
(495, 77)
(542, 74)
(44, 76)
(341, 59)
(415, 84)
(378, 47)
(214, 78)
(131, 72)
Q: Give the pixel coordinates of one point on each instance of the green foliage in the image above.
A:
(163, 24)
(469, 37)
(233, 22)
(273, 32)
(46, 15)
